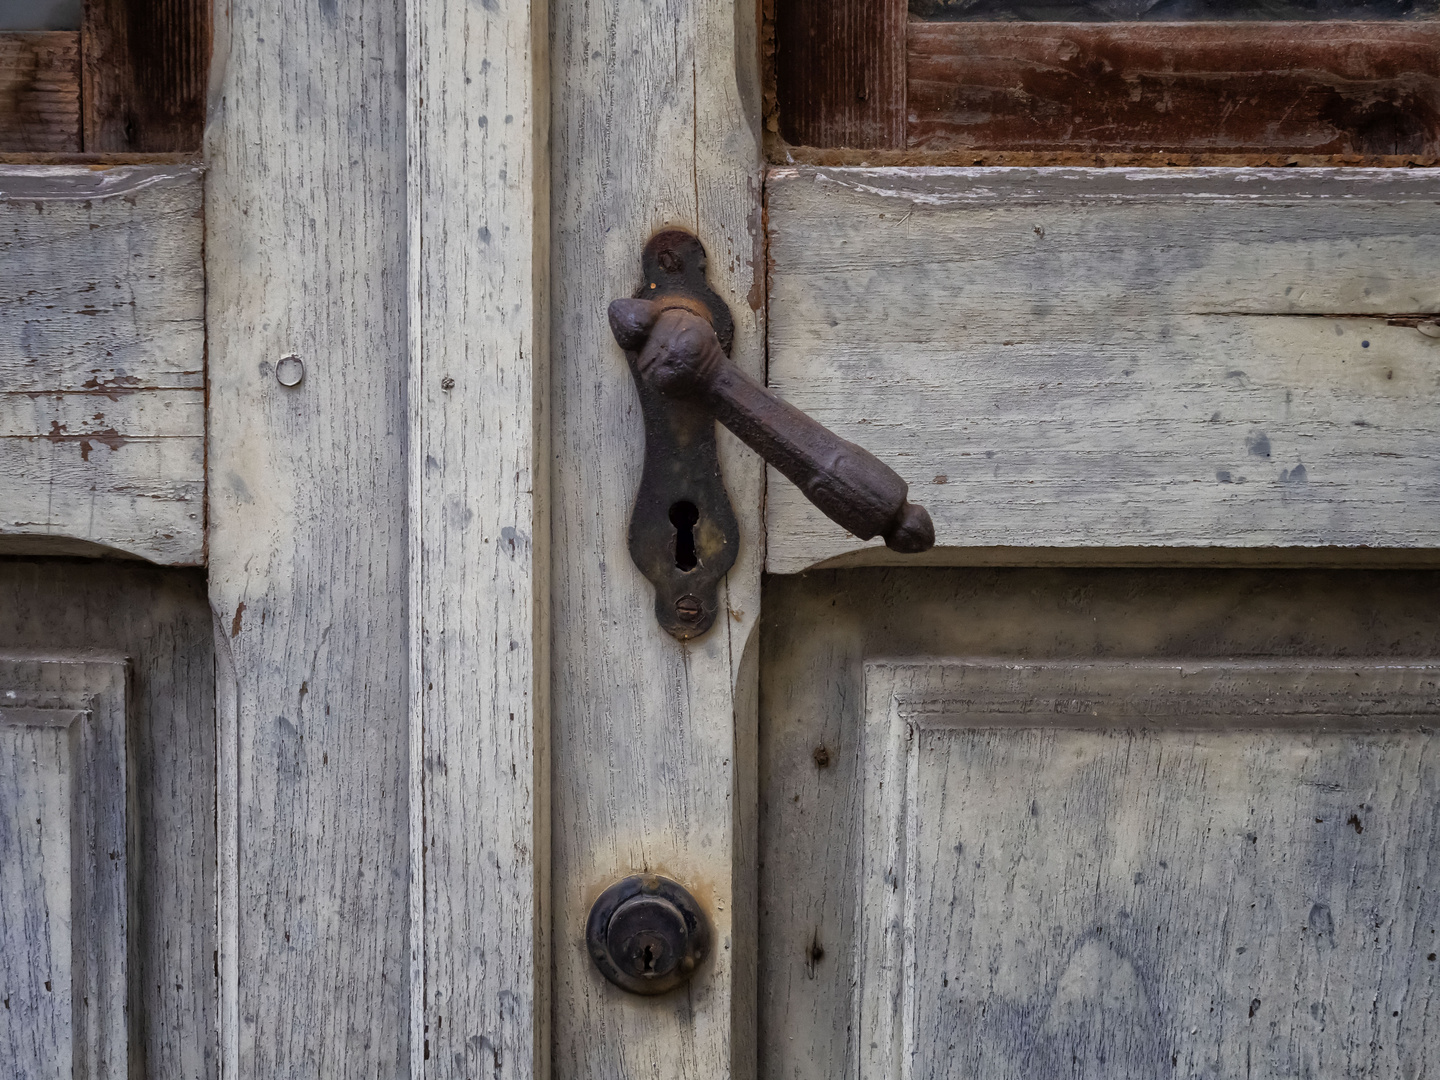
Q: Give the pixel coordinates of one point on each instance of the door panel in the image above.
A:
(1123, 868)
(63, 912)
(1108, 729)
(102, 357)
(1106, 358)
(159, 620)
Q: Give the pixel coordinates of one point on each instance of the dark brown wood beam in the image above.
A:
(1335, 88)
(146, 63)
(840, 72)
(40, 92)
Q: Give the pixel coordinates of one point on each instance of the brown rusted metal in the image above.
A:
(678, 355)
(647, 934)
(676, 336)
(683, 532)
(1340, 88)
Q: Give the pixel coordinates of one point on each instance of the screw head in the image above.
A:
(688, 608)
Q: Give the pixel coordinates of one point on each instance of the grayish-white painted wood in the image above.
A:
(63, 866)
(305, 257)
(102, 357)
(655, 122)
(1308, 629)
(159, 618)
(479, 798)
(1108, 358)
(1149, 869)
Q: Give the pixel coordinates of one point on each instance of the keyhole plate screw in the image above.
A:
(647, 934)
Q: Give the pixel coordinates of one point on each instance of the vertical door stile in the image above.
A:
(478, 219)
(656, 124)
(306, 533)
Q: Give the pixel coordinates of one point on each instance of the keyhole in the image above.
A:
(684, 516)
(649, 959)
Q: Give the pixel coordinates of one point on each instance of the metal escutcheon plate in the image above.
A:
(681, 489)
(647, 934)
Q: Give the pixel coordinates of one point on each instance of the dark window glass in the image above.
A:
(40, 14)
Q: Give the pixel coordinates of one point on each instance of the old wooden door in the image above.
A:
(1132, 775)
(1138, 776)
(1105, 819)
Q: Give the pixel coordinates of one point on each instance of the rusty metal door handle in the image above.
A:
(676, 334)
(680, 356)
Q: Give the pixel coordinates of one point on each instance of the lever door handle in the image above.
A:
(679, 355)
(683, 535)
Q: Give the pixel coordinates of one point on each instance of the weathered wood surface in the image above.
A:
(655, 123)
(40, 92)
(146, 65)
(820, 629)
(479, 556)
(63, 865)
(102, 357)
(1362, 88)
(1083, 11)
(839, 71)
(305, 257)
(1140, 868)
(160, 619)
(1072, 359)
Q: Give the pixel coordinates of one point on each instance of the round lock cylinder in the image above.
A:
(647, 934)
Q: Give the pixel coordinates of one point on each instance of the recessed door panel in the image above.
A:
(148, 787)
(1149, 869)
(62, 865)
(1099, 823)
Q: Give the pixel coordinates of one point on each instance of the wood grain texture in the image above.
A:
(40, 92)
(305, 242)
(146, 65)
(1217, 88)
(1071, 359)
(160, 619)
(479, 558)
(821, 628)
(840, 72)
(102, 357)
(1191, 10)
(809, 155)
(1147, 868)
(63, 780)
(655, 123)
